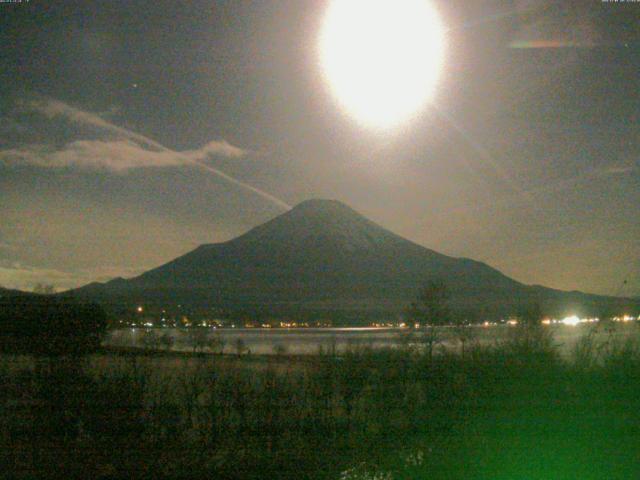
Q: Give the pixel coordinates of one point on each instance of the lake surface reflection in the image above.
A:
(309, 341)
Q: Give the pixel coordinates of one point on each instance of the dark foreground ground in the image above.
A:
(515, 410)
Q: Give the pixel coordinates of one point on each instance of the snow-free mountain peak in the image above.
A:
(323, 254)
(316, 221)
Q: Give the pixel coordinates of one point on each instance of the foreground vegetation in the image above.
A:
(510, 410)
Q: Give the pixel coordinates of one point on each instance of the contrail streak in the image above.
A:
(54, 108)
(241, 184)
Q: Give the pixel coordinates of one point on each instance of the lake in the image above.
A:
(309, 341)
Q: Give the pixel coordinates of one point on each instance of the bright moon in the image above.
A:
(382, 58)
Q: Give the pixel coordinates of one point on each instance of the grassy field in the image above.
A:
(515, 409)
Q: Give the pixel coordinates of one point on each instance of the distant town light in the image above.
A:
(572, 320)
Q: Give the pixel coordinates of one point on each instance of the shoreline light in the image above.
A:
(573, 320)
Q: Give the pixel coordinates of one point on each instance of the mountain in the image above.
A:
(11, 293)
(323, 255)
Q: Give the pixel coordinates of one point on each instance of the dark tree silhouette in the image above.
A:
(464, 332)
(240, 346)
(197, 338)
(166, 341)
(50, 326)
(217, 343)
(530, 314)
(149, 339)
(529, 338)
(430, 310)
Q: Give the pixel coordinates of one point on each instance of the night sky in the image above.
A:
(528, 158)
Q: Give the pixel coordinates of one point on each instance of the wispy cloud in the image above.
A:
(128, 150)
(113, 155)
(213, 148)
